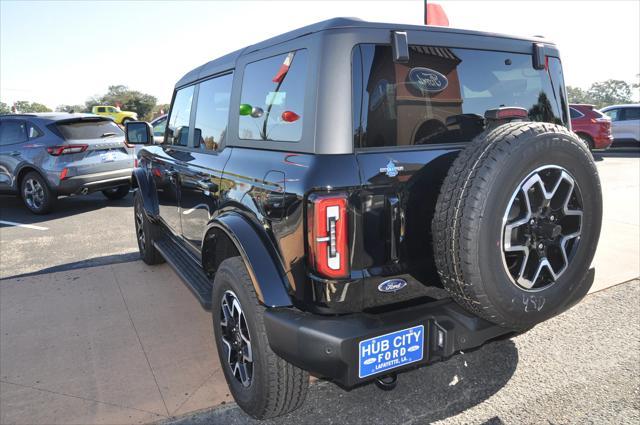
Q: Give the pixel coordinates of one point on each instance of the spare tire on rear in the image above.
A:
(517, 223)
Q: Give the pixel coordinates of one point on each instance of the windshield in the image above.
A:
(93, 129)
(442, 94)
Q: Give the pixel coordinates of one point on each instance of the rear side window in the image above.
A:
(94, 129)
(442, 94)
(631, 114)
(212, 112)
(33, 131)
(272, 100)
(178, 126)
(12, 131)
(575, 113)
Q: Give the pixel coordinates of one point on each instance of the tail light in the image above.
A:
(327, 235)
(66, 149)
(63, 173)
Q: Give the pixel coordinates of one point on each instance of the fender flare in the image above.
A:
(265, 269)
(146, 187)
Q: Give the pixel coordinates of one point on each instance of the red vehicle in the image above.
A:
(591, 125)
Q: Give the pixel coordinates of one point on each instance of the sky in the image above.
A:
(64, 52)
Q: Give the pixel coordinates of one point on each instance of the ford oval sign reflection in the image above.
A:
(425, 80)
(392, 285)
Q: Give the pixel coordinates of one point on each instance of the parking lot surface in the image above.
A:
(90, 334)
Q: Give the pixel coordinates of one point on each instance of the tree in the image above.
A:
(609, 92)
(128, 100)
(577, 95)
(70, 108)
(27, 107)
(4, 108)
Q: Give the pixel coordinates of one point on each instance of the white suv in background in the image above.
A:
(625, 124)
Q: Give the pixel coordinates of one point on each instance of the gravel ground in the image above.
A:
(582, 367)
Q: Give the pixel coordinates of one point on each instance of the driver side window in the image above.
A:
(178, 125)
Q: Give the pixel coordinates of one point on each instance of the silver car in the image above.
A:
(625, 124)
(43, 156)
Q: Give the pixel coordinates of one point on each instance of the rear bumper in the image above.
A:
(95, 182)
(329, 345)
(602, 141)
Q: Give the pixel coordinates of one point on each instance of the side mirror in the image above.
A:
(138, 133)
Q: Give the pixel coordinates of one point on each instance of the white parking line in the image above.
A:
(28, 226)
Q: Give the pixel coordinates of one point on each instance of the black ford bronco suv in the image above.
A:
(355, 199)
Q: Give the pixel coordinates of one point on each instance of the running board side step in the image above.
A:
(190, 272)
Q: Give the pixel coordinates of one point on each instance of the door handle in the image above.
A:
(14, 153)
(207, 186)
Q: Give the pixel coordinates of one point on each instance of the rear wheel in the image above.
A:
(517, 223)
(116, 193)
(263, 384)
(35, 193)
(588, 140)
(146, 233)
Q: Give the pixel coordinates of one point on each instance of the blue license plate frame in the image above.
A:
(391, 350)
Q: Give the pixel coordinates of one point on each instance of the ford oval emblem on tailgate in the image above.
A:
(392, 285)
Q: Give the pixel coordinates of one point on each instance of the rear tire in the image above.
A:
(146, 233)
(489, 253)
(36, 194)
(267, 386)
(588, 140)
(116, 193)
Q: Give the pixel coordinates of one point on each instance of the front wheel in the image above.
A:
(263, 384)
(126, 120)
(146, 233)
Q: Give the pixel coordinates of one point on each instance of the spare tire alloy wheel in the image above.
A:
(542, 227)
(236, 339)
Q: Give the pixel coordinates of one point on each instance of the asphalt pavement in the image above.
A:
(121, 342)
(582, 367)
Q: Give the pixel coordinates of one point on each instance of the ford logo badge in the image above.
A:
(392, 285)
(425, 80)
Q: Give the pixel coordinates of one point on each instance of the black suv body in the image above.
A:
(318, 158)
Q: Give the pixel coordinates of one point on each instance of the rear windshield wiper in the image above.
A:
(110, 134)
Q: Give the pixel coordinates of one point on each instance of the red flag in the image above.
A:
(284, 68)
(434, 15)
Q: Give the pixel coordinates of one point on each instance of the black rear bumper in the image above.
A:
(328, 345)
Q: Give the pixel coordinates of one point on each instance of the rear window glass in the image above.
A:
(442, 94)
(78, 130)
(272, 100)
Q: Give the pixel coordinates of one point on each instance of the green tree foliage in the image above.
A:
(609, 92)
(129, 100)
(4, 108)
(602, 93)
(70, 108)
(576, 95)
(27, 107)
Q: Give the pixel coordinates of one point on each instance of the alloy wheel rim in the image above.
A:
(140, 229)
(236, 339)
(33, 194)
(541, 228)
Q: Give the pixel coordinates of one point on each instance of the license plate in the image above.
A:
(108, 156)
(390, 351)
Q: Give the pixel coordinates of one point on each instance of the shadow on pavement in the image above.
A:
(14, 210)
(616, 153)
(83, 264)
(425, 395)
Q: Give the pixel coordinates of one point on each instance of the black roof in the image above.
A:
(228, 61)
